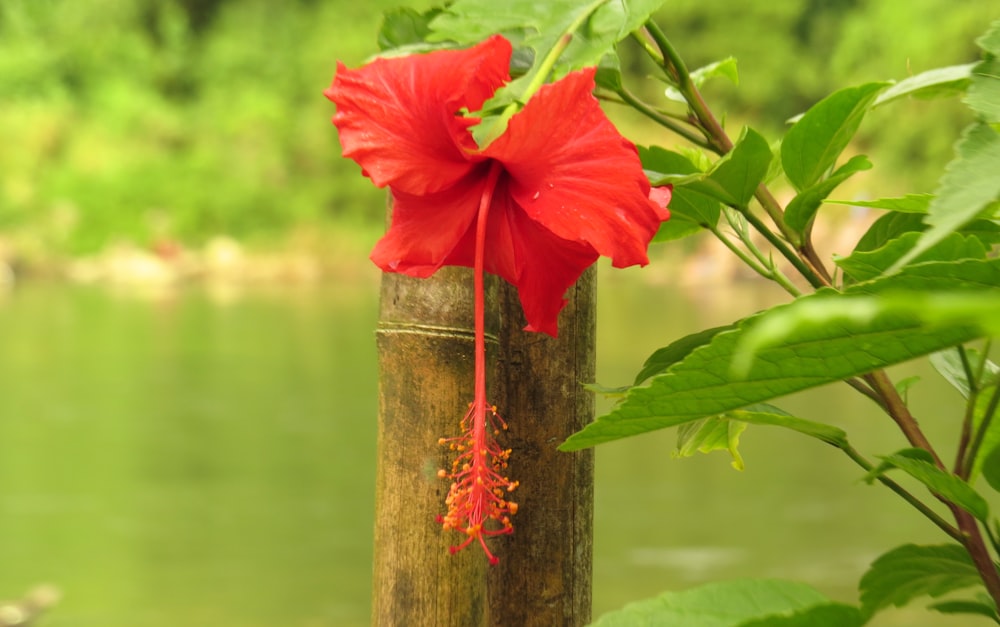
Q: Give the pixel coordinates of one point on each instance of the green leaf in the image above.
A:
(861, 266)
(735, 177)
(912, 571)
(606, 391)
(658, 162)
(690, 211)
(897, 223)
(801, 345)
(802, 209)
(948, 364)
(667, 356)
(825, 615)
(538, 25)
(984, 607)
(404, 27)
(944, 314)
(968, 189)
(988, 231)
(942, 81)
(919, 464)
(889, 227)
(764, 414)
(911, 203)
(535, 29)
(991, 466)
(983, 463)
(609, 73)
(722, 432)
(812, 145)
(722, 604)
(725, 68)
(990, 41)
(964, 292)
(903, 385)
(984, 92)
(675, 228)
(717, 433)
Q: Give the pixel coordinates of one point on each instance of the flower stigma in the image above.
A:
(479, 488)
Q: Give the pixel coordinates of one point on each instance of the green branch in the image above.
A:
(984, 425)
(919, 505)
(673, 125)
(805, 260)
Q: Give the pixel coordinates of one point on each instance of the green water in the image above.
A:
(205, 457)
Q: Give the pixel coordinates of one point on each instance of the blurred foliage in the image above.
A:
(792, 54)
(176, 120)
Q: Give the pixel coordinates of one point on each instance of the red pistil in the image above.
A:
(478, 484)
(479, 487)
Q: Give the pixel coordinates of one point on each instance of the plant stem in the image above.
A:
(972, 538)
(977, 441)
(974, 544)
(900, 413)
(902, 492)
(866, 390)
(970, 377)
(805, 261)
(650, 51)
(775, 212)
(553, 55)
(677, 70)
(499, 124)
(764, 266)
(661, 119)
(804, 269)
(670, 60)
(962, 450)
(745, 258)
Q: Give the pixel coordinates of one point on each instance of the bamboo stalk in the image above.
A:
(544, 575)
(425, 346)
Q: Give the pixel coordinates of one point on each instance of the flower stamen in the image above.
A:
(478, 483)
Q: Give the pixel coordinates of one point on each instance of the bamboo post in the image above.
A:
(425, 347)
(544, 575)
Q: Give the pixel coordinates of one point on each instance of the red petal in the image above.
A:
(576, 175)
(398, 117)
(426, 229)
(539, 264)
(661, 196)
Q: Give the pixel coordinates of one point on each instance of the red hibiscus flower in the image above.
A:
(558, 188)
(565, 186)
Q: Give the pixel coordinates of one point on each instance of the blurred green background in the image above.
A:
(201, 452)
(168, 122)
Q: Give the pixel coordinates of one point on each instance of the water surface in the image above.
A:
(205, 456)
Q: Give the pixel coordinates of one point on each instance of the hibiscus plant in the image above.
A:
(485, 128)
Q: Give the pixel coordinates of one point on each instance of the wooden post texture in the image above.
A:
(425, 347)
(544, 575)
